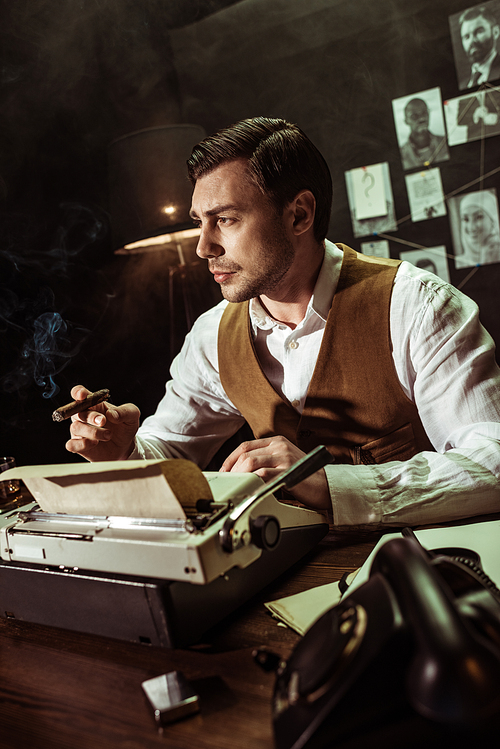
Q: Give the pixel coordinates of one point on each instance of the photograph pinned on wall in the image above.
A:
(371, 202)
(380, 248)
(473, 117)
(475, 33)
(432, 259)
(425, 194)
(475, 228)
(420, 129)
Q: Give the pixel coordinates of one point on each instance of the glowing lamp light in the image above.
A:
(160, 242)
(149, 190)
(150, 200)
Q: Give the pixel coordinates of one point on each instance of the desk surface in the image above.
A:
(61, 690)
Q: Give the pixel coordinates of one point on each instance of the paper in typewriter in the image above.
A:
(130, 488)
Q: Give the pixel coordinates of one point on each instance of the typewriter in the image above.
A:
(158, 581)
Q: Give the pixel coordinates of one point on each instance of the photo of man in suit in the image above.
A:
(476, 54)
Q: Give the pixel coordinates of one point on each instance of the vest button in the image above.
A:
(304, 434)
(293, 344)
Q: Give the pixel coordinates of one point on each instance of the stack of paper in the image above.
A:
(301, 610)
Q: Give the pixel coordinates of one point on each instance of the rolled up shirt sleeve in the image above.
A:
(445, 362)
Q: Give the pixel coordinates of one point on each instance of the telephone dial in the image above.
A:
(409, 659)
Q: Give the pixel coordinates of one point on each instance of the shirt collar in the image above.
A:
(322, 296)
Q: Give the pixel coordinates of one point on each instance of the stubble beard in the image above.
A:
(275, 260)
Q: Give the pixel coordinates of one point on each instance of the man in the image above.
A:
(422, 147)
(479, 31)
(316, 344)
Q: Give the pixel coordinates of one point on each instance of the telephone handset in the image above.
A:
(410, 657)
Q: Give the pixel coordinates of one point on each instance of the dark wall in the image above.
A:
(75, 76)
(78, 75)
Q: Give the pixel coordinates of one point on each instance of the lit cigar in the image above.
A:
(77, 406)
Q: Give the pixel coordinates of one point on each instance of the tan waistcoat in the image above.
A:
(355, 404)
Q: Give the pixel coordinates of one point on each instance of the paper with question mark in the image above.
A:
(369, 195)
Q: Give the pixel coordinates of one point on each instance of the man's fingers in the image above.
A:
(231, 459)
(268, 457)
(89, 417)
(87, 428)
(103, 413)
(265, 457)
(127, 414)
(80, 446)
(103, 431)
(254, 461)
(242, 453)
(79, 392)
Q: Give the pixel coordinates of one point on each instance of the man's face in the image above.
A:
(478, 38)
(417, 117)
(242, 235)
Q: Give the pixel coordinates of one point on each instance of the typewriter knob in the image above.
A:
(265, 532)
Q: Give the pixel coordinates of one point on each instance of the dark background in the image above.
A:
(76, 75)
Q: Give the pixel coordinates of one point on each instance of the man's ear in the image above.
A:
(302, 210)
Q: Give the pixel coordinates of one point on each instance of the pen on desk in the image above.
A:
(75, 407)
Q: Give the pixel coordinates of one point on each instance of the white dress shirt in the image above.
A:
(445, 363)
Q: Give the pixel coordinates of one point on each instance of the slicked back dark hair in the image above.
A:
(281, 160)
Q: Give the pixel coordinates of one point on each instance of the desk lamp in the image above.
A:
(150, 198)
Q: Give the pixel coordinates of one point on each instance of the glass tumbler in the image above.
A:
(10, 489)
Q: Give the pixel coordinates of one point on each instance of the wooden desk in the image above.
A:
(61, 690)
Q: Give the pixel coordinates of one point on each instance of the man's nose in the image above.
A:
(206, 246)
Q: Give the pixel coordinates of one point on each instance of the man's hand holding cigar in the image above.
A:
(104, 431)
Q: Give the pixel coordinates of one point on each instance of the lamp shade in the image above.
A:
(150, 193)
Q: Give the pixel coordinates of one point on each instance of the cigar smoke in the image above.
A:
(37, 287)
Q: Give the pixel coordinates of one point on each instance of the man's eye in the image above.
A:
(224, 220)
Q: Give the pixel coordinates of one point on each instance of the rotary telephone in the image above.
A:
(411, 658)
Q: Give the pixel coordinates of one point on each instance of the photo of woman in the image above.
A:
(475, 228)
